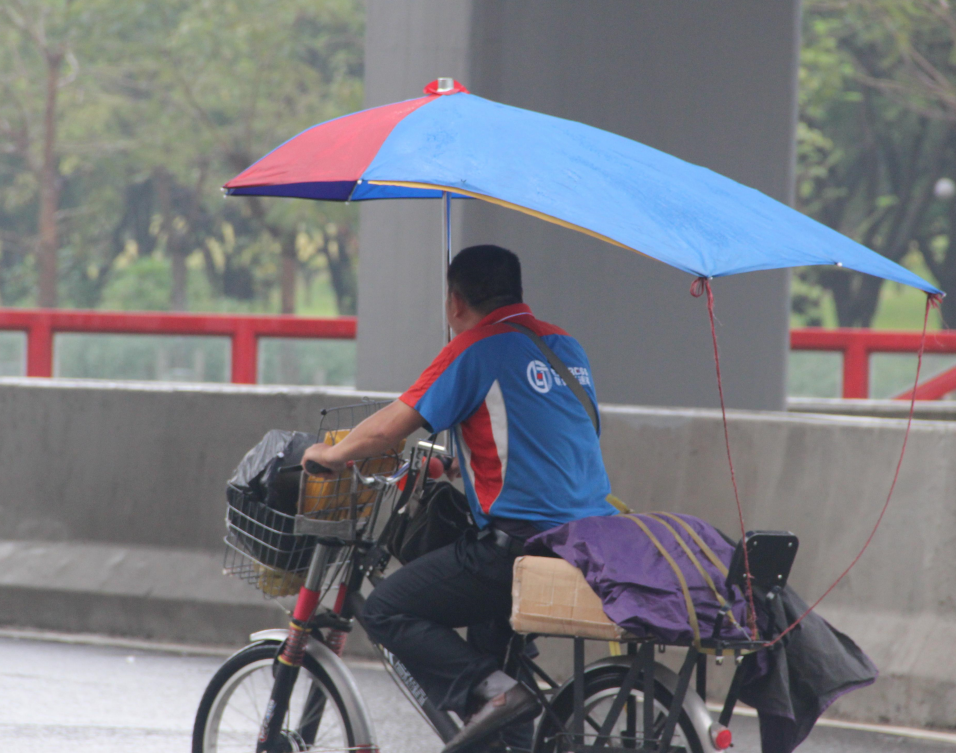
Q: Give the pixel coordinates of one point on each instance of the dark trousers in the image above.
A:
(414, 611)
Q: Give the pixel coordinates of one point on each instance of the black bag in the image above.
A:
(259, 473)
(439, 518)
(262, 502)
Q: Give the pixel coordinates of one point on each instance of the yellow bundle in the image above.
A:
(330, 499)
(275, 582)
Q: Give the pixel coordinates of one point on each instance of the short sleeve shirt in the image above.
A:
(527, 448)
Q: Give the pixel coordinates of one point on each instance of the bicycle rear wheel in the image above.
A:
(234, 704)
(601, 687)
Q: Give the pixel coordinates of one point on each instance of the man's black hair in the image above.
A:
(487, 277)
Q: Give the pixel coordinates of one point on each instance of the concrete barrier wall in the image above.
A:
(111, 509)
(929, 410)
(112, 499)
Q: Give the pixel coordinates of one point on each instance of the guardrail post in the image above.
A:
(245, 354)
(856, 371)
(40, 347)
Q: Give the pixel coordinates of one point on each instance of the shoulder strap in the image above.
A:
(558, 365)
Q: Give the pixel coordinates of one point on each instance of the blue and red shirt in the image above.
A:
(527, 448)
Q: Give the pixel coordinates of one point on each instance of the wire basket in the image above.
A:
(263, 549)
(273, 550)
(348, 416)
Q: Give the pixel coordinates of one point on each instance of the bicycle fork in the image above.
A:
(289, 661)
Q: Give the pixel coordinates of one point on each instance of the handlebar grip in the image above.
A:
(316, 468)
(436, 467)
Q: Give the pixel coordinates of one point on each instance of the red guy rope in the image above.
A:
(932, 300)
(697, 289)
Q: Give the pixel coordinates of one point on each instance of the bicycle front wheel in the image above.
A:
(232, 708)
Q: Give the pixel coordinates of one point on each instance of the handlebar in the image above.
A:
(380, 482)
(310, 467)
(376, 482)
(315, 468)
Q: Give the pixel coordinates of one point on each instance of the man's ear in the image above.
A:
(458, 304)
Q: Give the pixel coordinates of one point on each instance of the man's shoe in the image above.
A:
(512, 706)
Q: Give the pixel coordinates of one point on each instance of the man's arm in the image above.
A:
(376, 435)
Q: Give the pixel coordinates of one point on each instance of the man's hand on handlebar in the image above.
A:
(453, 470)
(324, 456)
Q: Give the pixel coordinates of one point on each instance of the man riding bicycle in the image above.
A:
(528, 452)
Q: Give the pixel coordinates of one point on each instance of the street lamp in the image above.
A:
(944, 189)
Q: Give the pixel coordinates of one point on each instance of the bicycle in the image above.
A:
(289, 690)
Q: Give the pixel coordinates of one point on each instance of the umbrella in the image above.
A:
(451, 143)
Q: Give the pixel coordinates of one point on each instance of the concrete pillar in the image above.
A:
(714, 84)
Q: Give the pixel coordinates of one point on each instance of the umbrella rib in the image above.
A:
(508, 205)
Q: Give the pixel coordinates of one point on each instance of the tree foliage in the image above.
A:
(157, 105)
(877, 131)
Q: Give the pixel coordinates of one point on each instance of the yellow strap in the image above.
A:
(617, 504)
(693, 558)
(708, 552)
(691, 612)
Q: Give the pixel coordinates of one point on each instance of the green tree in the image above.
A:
(875, 138)
(38, 59)
(157, 105)
(230, 81)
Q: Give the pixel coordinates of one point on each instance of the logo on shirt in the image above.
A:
(539, 376)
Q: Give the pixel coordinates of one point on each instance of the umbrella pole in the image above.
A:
(446, 259)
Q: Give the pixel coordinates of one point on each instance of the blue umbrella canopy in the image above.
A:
(561, 171)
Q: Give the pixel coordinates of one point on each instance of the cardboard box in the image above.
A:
(551, 597)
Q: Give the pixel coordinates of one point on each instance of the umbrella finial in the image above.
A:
(445, 85)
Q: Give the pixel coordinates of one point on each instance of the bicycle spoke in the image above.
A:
(312, 719)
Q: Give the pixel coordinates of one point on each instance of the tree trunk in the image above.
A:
(342, 270)
(50, 184)
(287, 269)
(288, 273)
(947, 312)
(856, 296)
(177, 300)
(177, 260)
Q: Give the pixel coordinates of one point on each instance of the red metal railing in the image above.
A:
(857, 345)
(41, 325)
(243, 331)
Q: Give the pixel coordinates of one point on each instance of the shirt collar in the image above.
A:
(506, 312)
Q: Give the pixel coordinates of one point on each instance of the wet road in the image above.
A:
(111, 699)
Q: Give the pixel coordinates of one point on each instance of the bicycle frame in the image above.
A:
(642, 674)
(367, 561)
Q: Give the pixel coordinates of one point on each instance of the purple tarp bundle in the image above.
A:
(790, 685)
(637, 585)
